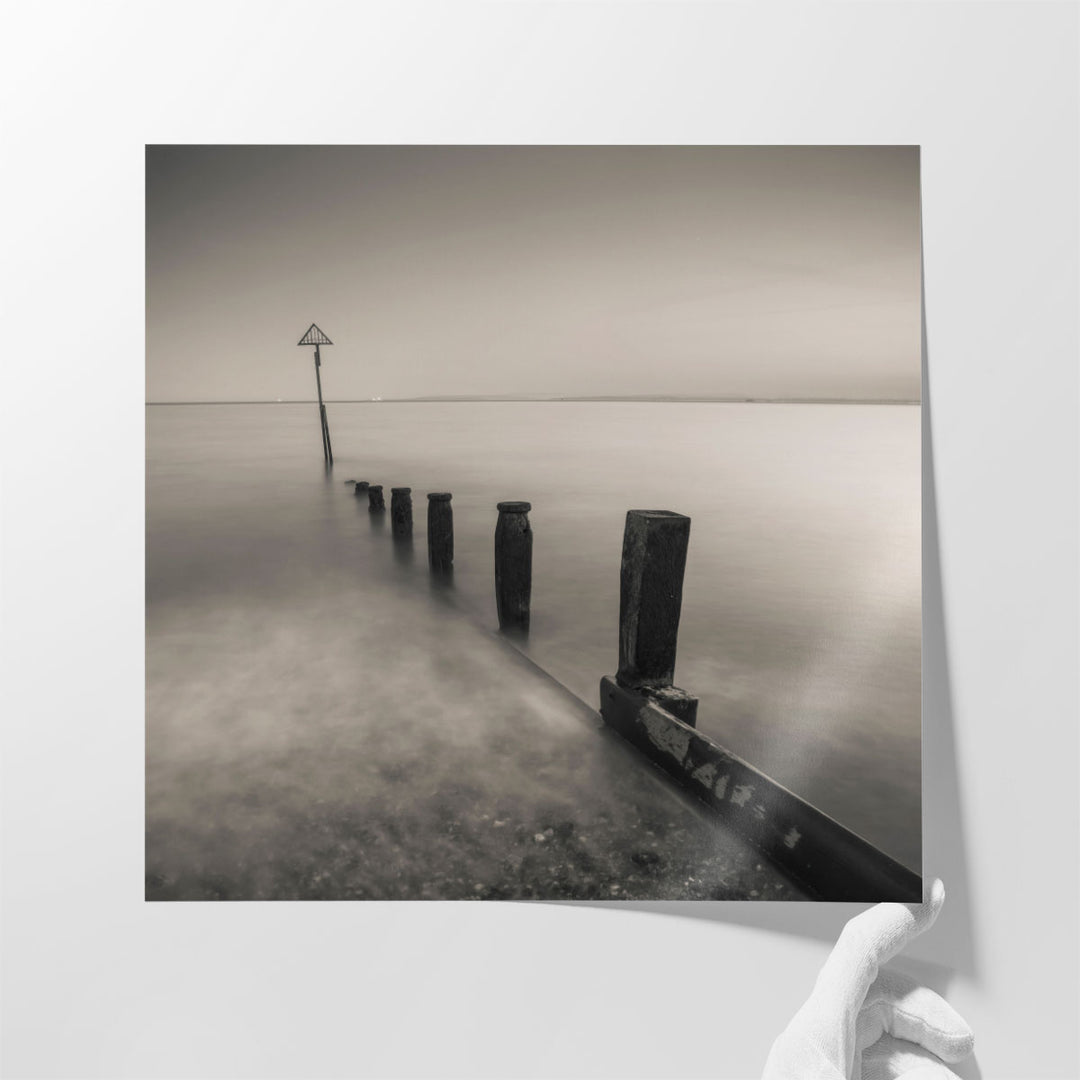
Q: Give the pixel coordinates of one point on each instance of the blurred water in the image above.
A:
(801, 614)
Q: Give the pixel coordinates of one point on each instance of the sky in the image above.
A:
(771, 272)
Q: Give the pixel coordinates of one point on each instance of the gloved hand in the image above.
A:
(860, 1023)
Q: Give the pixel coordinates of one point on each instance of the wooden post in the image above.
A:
(653, 561)
(361, 487)
(401, 511)
(650, 599)
(513, 565)
(440, 531)
(375, 498)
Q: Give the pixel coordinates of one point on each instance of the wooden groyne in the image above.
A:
(642, 704)
(829, 860)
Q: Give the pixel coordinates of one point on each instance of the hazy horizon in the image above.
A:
(704, 273)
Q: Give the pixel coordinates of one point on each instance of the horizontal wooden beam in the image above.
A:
(830, 860)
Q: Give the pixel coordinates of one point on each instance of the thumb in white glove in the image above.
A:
(862, 1023)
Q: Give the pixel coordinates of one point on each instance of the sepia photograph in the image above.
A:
(533, 522)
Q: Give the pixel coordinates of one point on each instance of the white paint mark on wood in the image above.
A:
(741, 795)
(706, 774)
(664, 735)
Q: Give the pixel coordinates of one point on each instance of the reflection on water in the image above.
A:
(801, 614)
(404, 552)
(441, 581)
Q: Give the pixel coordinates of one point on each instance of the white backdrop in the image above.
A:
(98, 984)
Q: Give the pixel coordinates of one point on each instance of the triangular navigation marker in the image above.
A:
(314, 336)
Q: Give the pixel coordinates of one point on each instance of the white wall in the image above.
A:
(98, 984)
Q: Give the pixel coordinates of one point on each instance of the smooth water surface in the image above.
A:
(800, 629)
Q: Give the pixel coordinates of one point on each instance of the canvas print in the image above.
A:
(533, 522)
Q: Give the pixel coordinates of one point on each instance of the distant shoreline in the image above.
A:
(564, 400)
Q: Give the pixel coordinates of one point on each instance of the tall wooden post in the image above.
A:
(513, 566)
(440, 531)
(650, 603)
(650, 596)
(401, 511)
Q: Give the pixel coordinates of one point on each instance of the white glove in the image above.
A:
(860, 1023)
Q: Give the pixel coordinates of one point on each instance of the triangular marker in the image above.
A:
(314, 336)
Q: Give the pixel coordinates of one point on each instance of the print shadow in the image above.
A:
(950, 948)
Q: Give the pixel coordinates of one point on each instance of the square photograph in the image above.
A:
(533, 522)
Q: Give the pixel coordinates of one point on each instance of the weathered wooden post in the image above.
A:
(650, 603)
(401, 511)
(440, 531)
(375, 498)
(650, 595)
(513, 565)
(361, 487)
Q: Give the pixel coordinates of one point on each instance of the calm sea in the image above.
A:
(800, 629)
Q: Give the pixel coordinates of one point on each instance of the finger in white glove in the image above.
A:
(893, 1059)
(898, 1006)
(854, 1007)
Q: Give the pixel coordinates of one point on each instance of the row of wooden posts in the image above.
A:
(513, 544)
(644, 706)
(651, 580)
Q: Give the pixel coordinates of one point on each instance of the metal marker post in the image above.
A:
(316, 337)
(328, 452)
